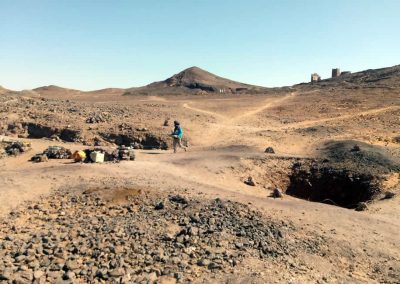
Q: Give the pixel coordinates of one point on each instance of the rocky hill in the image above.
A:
(56, 90)
(387, 78)
(196, 80)
(53, 91)
(108, 91)
(190, 81)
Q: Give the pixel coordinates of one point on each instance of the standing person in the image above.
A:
(177, 136)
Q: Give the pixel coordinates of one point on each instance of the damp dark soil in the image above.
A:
(359, 156)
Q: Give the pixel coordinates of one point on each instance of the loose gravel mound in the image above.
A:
(354, 155)
(124, 235)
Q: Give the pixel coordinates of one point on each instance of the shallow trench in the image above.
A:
(144, 140)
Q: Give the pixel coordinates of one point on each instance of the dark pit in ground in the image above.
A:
(348, 172)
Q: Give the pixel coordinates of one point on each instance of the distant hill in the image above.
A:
(388, 78)
(195, 80)
(109, 91)
(56, 91)
(383, 77)
(3, 90)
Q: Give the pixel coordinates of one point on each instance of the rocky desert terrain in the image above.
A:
(296, 184)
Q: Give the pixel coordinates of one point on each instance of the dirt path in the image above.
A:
(309, 123)
(214, 114)
(227, 126)
(266, 106)
(232, 129)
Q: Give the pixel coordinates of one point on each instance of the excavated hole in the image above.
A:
(147, 141)
(338, 187)
(143, 140)
(349, 172)
(35, 130)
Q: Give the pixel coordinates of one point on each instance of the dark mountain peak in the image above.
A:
(195, 71)
(197, 78)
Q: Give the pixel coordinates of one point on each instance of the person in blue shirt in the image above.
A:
(177, 136)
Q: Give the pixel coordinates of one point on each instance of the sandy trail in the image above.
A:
(231, 119)
(308, 123)
(267, 105)
(214, 114)
(227, 126)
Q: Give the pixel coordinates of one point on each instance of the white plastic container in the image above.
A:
(97, 157)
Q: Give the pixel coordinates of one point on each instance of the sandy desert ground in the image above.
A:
(215, 223)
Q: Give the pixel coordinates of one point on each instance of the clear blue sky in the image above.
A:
(87, 44)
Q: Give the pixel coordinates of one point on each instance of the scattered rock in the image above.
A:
(132, 242)
(388, 195)
(99, 118)
(14, 148)
(166, 280)
(203, 262)
(250, 181)
(214, 266)
(57, 152)
(6, 274)
(269, 150)
(151, 277)
(38, 274)
(277, 193)
(39, 158)
(178, 199)
(361, 206)
(126, 153)
(71, 265)
(159, 206)
(118, 272)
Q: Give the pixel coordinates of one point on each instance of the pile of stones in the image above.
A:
(14, 148)
(126, 153)
(57, 152)
(15, 128)
(99, 118)
(79, 237)
(52, 152)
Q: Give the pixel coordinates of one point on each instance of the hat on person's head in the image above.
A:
(176, 122)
